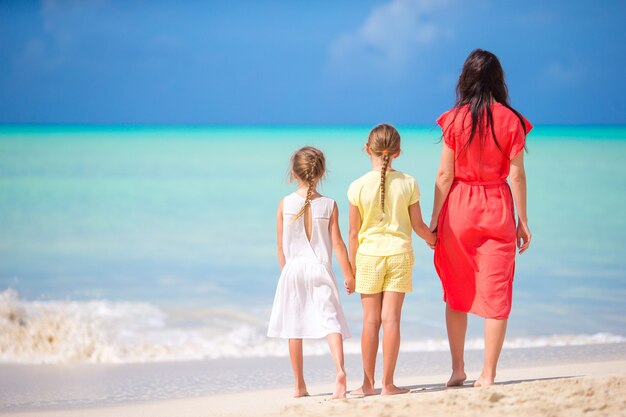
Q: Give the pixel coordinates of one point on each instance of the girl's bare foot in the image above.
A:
(363, 391)
(483, 381)
(456, 379)
(340, 386)
(393, 390)
(300, 392)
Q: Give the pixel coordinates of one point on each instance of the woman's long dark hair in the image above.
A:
(481, 80)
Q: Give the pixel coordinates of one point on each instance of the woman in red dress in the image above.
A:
(473, 211)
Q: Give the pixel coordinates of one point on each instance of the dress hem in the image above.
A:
(282, 336)
(462, 310)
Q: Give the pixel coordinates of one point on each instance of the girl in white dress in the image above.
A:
(306, 305)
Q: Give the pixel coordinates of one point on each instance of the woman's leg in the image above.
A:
(456, 323)
(372, 305)
(495, 330)
(391, 313)
(335, 343)
(295, 353)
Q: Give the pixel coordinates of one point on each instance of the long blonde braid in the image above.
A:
(309, 165)
(383, 176)
(384, 142)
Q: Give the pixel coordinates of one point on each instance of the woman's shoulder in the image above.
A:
(443, 119)
(450, 116)
(507, 118)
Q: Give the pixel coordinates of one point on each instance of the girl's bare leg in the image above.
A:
(295, 353)
(372, 305)
(391, 313)
(495, 330)
(335, 343)
(456, 323)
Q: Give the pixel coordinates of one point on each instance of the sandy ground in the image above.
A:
(572, 389)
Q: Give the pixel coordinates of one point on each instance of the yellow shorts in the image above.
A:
(375, 274)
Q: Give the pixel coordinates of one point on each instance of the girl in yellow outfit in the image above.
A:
(384, 207)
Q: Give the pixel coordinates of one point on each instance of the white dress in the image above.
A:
(307, 304)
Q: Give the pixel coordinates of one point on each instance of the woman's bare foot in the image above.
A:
(456, 379)
(483, 381)
(363, 391)
(340, 386)
(300, 392)
(393, 390)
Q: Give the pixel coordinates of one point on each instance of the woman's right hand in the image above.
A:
(523, 236)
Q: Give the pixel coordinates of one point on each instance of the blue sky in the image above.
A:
(303, 62)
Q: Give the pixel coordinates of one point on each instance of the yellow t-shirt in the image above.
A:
(388, 234)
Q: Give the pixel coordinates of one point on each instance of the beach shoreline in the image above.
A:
(549, 390)
(262, 386)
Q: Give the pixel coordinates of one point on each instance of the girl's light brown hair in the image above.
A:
(384, 142)
(308, 165)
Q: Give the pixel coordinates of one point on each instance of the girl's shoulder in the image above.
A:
(367, 180)
(290, 196)
(403, 176)
(323, 206)
(297, 197)
(325, 199)
(404, 184)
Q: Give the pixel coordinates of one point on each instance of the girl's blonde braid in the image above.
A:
(309, 193)
(383, 175)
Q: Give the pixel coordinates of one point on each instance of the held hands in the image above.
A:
(523, 236)
(349, 284)
(432, 238)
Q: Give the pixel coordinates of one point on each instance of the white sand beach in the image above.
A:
(568, 382)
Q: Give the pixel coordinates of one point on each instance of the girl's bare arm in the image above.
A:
(415, 212)
(353, 237)
(279, 235)
(340, 251)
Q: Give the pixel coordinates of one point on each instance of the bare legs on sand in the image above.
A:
(495, 330)
(297, 363)
(380, 309)
(335, 342)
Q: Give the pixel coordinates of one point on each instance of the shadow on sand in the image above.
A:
(426, 388)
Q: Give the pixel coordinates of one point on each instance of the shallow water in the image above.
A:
(172, 229)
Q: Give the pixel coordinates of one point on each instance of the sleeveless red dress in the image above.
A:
(475, 250)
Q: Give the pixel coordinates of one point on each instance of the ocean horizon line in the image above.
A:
(4, 125)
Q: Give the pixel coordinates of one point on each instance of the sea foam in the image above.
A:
(102, 331)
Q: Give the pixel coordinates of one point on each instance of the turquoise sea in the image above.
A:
(159, 242)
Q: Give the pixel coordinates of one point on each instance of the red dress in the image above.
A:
(475, 252)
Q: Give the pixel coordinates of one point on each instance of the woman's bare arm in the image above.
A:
(517, 176)
(445, 177)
